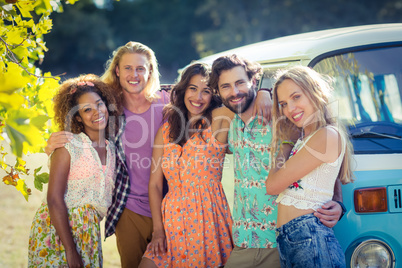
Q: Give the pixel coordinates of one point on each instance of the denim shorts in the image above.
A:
(306, 242)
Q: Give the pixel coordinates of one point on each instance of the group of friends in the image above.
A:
(122, 138)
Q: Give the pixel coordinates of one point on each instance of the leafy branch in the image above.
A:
(12, 57)
(15, 171)
(25, 94)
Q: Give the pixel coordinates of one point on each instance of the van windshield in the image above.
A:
(368, 96)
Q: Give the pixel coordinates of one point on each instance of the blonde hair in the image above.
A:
(110, 77)
(317, 88)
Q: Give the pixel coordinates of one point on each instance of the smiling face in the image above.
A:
(197, 96)
(295, 105)
(92, 112)
(133, 72)
(236, 89)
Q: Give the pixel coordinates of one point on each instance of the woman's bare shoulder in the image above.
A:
(326, 142)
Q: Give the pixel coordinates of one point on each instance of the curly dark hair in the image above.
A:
(224, 63)
(176, 112)
(66, 103)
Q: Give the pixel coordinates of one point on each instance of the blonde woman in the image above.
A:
(306, 180)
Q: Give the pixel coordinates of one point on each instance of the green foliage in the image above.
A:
(40, 179)
(85, 36)
(25, 94)
(242, 22)
(180, 31)
(83, 40)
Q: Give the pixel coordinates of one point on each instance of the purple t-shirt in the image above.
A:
(138, 139)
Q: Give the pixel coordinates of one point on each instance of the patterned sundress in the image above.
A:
(88, 196)
(195, 212)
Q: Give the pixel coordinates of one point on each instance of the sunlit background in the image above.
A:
(179, 31)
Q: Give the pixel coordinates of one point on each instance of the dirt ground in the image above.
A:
(16, 215)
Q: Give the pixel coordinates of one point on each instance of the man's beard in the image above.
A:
(244, 105)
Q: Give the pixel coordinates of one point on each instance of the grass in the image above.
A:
(16, 216)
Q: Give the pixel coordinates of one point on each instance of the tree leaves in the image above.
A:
(22, 187)
(22, 131)
(12, 79)
(25, 94)
(40, 179)
(13, 174)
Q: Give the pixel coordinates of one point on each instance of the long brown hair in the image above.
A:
(176, 111)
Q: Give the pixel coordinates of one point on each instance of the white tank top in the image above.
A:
(317, 187)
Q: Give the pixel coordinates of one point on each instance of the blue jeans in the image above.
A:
(306, 242)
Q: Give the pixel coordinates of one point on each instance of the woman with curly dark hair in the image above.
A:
(65, 231)
(192, 224)
(66, 104)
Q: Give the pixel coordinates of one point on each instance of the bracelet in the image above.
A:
(265, 89)
(343, 209)
(289, 142)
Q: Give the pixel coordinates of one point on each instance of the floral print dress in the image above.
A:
(195, 212)
(88, 196)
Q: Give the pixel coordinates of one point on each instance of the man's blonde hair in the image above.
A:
(110, 77)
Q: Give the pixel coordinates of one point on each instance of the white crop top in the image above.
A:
(317, 187)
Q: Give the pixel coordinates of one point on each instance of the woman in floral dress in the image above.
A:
(192, 224)
(65, 231)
